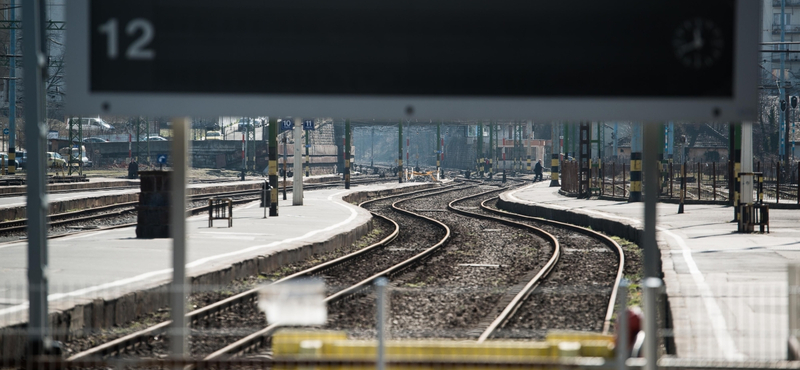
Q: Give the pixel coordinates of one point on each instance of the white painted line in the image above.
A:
(138, 278)
(83, 235)
(232, 237)
(252, 204)
(224, 233)
(718, 324)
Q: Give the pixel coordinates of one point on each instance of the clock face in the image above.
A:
(698, 43)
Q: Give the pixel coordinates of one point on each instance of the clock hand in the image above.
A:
(685, 48)
(698, 39)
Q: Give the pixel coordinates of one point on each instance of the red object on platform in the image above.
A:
(635, 321)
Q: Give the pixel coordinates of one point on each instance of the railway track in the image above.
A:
(351, 286)
(451, 293)
(247, 299)
(586, 278)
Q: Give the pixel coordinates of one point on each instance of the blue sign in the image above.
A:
(287, 124)
(161, 158)
(308, 124)
(5, 131)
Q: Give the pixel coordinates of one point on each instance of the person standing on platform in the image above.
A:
(537, 170)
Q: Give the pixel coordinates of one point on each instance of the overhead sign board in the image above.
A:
(287, 124)
(580, 59)
(308, 124)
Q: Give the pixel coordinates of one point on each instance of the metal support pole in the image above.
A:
(683, 188)
(527, 143)
(736, 159)
(308, 146)
(380, 292)
(400, 152)
(652, 287)
(746, 181)
(297, 181)
(372, 149)
(178, 333)
(347, 139)
(616, 139)
(273, 165)
(479, 141)
(285, 166)
(35, 74)
(636, 163)
(555, 149)
(438, 148)
(408, 144)
(12, 92)
(622, 353)
(244, 135)
(265, 197)
(652, 256)
(781, 89)
(491, 150)
(516, 147)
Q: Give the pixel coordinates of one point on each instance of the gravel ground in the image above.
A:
(451, 294)
(415, 236)
(575, 295)
(221, 330)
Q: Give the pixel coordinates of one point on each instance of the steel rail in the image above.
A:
(114, 346)
(133, 339)
(90, 214)
(254, 340)
(613, 245)
(522, 295)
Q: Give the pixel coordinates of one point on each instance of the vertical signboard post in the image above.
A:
(308, 125)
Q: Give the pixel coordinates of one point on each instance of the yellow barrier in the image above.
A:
(334, 345)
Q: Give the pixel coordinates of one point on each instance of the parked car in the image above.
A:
(4, 160)
(54, 160)
(94, 125)
(155, 138)
(213, 135)
(94, 139)
(244, 123)
(21, 157)
(65, 153)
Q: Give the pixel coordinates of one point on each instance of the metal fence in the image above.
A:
(704, 181)
(726, 323)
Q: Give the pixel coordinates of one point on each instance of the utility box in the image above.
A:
(154, 205)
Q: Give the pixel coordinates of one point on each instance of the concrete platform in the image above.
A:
(113, 267)
(92, 183)
(727, 291)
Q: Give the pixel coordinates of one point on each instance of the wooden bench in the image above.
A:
(220, 209)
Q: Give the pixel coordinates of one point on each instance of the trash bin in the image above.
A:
(154, 205)
(133, 170)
